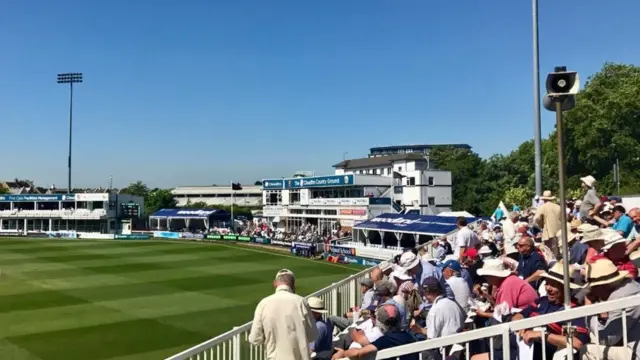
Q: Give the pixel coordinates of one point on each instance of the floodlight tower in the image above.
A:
(70, 78)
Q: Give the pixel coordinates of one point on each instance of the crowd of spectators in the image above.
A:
(505, 269)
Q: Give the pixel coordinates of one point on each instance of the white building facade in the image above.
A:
(418, 187)
(250, 195)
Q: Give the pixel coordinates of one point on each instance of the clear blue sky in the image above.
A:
(198, 92)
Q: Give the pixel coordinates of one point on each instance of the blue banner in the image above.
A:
(379, 201)
(132, 236)
(261, 240)
(38, 197)
(410, 223)
(302, 245)
(166, 234)
(341, 250)
(188, 235)
(272, 184)
(63, 234)
(319, 181)
(281, 243)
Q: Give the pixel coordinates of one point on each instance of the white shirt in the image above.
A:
(508, 230)
(283, 324)
(464, 238)
(461, 291)
(446, 317)
(372, 333)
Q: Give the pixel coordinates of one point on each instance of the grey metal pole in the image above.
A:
(70, 132)
(563, 204)
(537, 142)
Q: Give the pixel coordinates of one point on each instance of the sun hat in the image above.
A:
(612, 238)
(367, 282)
(494, 267)
(575, 223)
(586, 227)
(317, 305)
(556, 273)
(409, 260)
(547, 195)
(453, 265)
(400, 274)
(384, 266)
(570, 236)
(594, 235)
(485, 250)
(602, 272)
(588, 180)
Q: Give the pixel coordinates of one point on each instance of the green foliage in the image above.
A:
(603, 126)
(575, 194)
(4, 189)
(258, 183)
(520, 196)
(158, 199)
(137, 188)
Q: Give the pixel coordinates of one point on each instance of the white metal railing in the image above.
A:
(234, 344)
(505, 330)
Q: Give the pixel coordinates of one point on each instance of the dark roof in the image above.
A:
(377, 161)
(419, 147)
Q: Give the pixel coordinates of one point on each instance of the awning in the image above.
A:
(413, 224)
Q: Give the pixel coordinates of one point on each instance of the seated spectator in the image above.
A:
(385, 290)
(323, 345)
(512, 290)
(420, 270)
(451, 272)
(365, 333)
(577, 250)
(388, 320)
(623, 223)
(606, 282)
(366, 287)
(615, 249)
(530, 263)
(594, 239)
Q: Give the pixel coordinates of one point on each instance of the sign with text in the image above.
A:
(342, 250)
(38, 197)
(358, 212)
(318, 181)
(281, 242)
(272, 210)
(92, 197)
(340, 202)
(272, 184)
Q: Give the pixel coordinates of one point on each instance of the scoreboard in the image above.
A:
(130, 210)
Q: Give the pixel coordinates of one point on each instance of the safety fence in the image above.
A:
(234, 344)
(502, 333)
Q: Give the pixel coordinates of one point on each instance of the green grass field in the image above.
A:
(125, 300)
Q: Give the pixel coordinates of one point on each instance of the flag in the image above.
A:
(236, 186)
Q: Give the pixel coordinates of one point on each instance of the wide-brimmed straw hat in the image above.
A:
(612, 238)
(494, 267)
(570, 236)
(547, 195)
(556, 273)
(602, 272)
(316, 305)
(594, 235)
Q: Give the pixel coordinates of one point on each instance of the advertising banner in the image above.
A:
(188, 235)
(214, 237)
(166, 234)
(272, 184)
(261, 240)
(62, 234)
(13, 233)
(35, 234)
(92, 197)
(132, 236)
(341, 250)
(340, 202)
(272, 210)
(318, 181)
(244, 238)
(228, 237)
(359, 212)
(281, 242)
(301, 245)
(373, 253)
(38, 197)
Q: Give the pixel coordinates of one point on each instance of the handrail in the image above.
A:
(497, 330)
(195, 350)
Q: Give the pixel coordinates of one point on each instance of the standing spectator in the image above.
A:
(388, 320)
(497, 214)
(323, 345)
(283, 322)
(591, 203)
(420, 270)
(465, 238)
(622, 222)
(509, 227)
(606, 282)
(451, 271)
(548, 217)
(531, 265)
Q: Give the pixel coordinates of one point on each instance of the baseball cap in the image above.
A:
(409, 260)
(453, 265)
(367, 282)
(431, 283)
(385, 288)
(388, 314)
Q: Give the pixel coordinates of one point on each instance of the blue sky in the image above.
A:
(198, 92)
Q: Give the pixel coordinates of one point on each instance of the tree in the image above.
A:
(138, 189)
(520, 196)
(159, 199)
(4, 189)
(258, 183)
(199, 205)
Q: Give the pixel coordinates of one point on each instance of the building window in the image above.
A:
(399, 168)
(430, 180)
(388, 171)
(375, 171)
(331, 212)
(411, 181)
(361, 171)
(431, 200)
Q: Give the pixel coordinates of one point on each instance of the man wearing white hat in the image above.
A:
(284, 337)
(548, 216)
(591, 203)
(323, 345)
(606, 283)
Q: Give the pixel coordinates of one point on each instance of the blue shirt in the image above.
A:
(393, 339)
(528, 264)
(578, 252)
(441, 252)
(498, 214)
(425, 270)
(624, 224)
(324, 341)
(401, 310)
